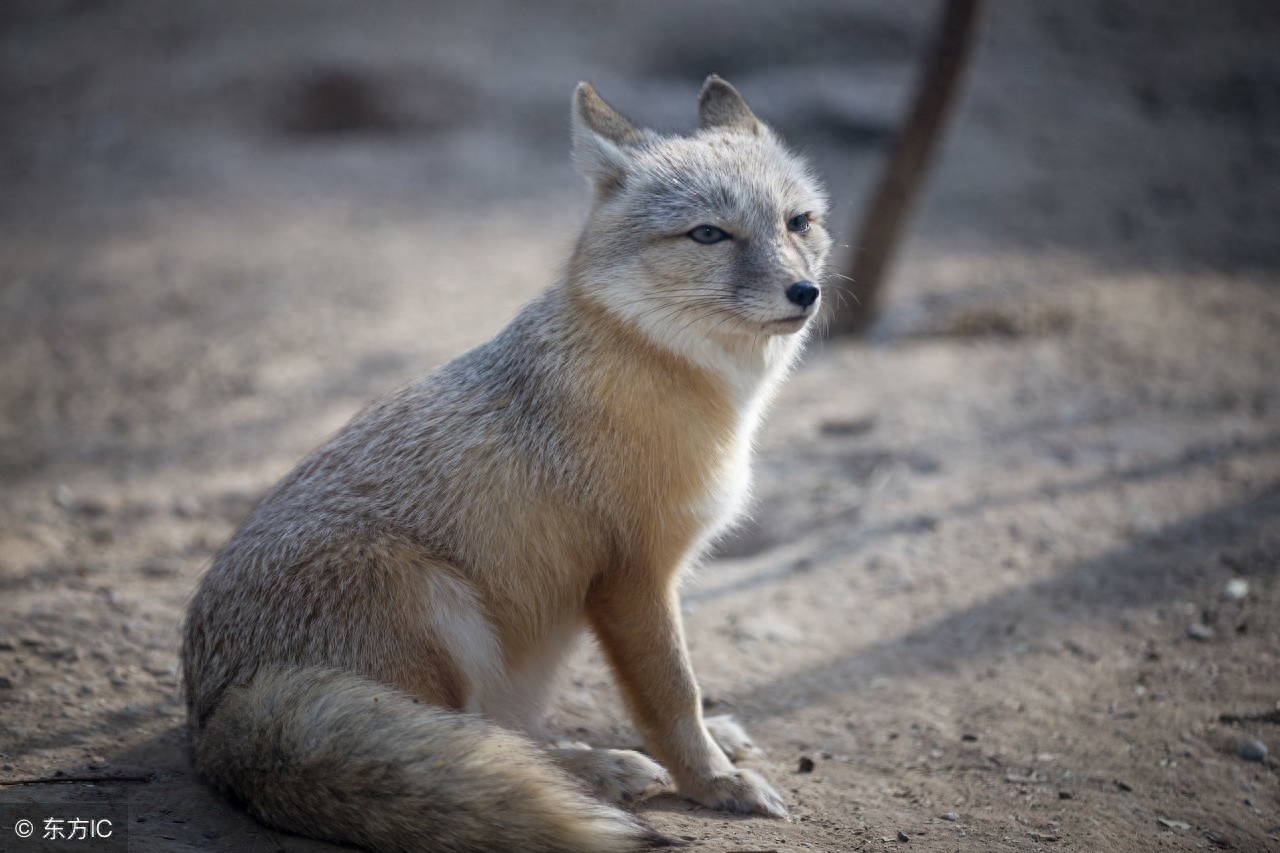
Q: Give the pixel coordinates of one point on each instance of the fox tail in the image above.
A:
(330, 754)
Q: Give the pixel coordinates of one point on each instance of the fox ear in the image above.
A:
(720, 105)
(601, 136)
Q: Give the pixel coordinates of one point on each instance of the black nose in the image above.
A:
(803, 293)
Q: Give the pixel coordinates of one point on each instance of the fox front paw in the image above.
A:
(617, 775)
(737, 791)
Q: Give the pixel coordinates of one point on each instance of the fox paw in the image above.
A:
(617, 775)
(731, 738)
(737, 791)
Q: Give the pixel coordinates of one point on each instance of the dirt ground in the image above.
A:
(1010, 579)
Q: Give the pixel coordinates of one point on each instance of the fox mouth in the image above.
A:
(786, 325)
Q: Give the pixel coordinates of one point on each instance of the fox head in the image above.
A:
(717, 236)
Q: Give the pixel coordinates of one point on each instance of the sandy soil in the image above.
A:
(1011, 576)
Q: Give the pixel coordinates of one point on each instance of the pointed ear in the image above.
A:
(601, 137)
(721, 106)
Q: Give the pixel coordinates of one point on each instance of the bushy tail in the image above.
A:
(332, 755)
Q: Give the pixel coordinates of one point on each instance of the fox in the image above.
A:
(368, 658)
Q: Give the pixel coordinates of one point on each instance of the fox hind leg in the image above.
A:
(617, 775)
(731, 737)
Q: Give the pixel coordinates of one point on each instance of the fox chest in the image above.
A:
(683, 502)
(724, 495)
(676, 456)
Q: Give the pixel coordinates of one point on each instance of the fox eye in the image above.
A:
(708, 234)
(798, 223)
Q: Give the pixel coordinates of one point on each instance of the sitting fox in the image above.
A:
(369, 655)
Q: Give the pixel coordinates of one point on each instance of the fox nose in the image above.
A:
(803, 293)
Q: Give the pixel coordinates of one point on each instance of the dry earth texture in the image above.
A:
(1010, 579)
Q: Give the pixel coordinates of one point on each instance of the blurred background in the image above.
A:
(1010, 573)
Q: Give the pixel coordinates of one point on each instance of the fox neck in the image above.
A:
(748, 367)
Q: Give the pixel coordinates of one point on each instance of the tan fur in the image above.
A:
(431, 564)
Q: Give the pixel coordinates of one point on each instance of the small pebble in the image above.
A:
(1252, 750)
(1236, 589)
(1217, 839)
(950, 816)
(88, 507)
(806, 764)
(160, 568)
(856, 426)
(1199, 631)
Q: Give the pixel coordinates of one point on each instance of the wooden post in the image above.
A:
(882, 225)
